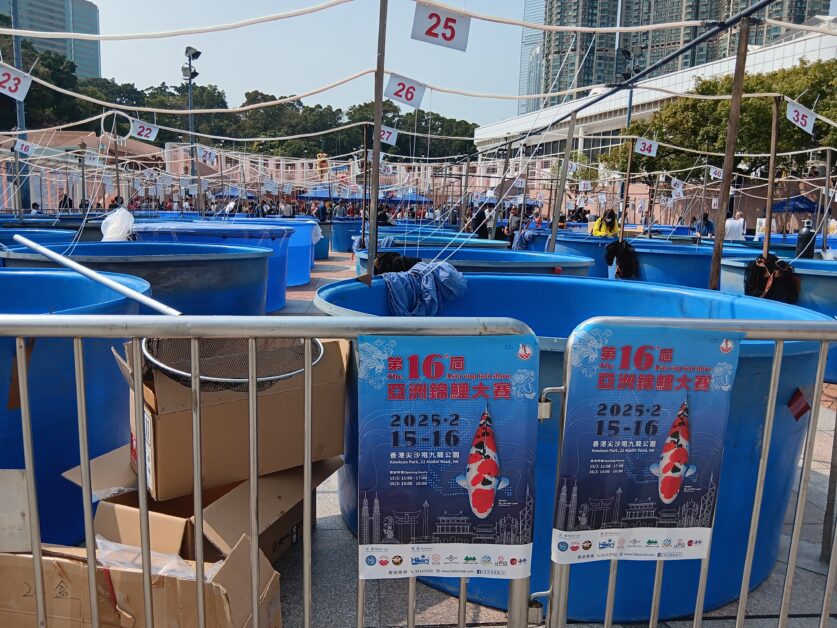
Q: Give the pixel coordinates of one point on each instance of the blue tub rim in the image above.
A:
(273, 232)
(814, 272)
(224, 251)
(566, 260)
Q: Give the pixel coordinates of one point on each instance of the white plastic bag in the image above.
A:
(118, 556)
(116, 227)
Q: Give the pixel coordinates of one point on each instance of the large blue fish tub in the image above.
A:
(342, 232)
(680, 265)
(41, 236)
(273, 237)
(323, 246)
(817, 291)
(300, 246)
(524, 297)
(52, 389)
(192, 278)
(491, 260)
(451, 242)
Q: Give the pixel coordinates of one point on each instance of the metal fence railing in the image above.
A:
(134, 328)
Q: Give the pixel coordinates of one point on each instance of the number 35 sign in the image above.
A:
(801, 117)
(441, 27)
(404, 90)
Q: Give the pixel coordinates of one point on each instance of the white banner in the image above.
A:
(441, 27)
(144, 130)
(801, 117)
(27, 149)
(646, 147)
(404, 90)
(389, 135)
(14, 83)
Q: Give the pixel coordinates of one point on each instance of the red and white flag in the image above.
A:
(798, 405)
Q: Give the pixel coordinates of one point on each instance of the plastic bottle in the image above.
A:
(805, 241)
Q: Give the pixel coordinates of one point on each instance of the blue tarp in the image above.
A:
(796, 205)
(423, 289)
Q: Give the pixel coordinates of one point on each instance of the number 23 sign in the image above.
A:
(441, 27)
(404, 90)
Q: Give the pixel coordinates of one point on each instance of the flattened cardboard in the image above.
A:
(225, 426)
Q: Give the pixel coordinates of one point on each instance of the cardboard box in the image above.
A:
(120, 593)
(225, 425)
(226, 510)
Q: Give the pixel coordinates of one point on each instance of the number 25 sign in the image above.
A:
(404, 90)
(144, 130)
(646, 147)
(441, 27)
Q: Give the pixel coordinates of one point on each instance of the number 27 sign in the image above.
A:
(441, 27)
(404, 90)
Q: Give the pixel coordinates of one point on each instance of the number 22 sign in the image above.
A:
(646, 147)
(441, 27)
(801, 117)
(404, 90)
(144, 130)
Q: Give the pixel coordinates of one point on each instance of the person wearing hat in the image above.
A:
(606, 226)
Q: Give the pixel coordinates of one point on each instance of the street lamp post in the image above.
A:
(189, 73)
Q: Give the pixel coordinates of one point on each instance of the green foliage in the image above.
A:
(702, 124)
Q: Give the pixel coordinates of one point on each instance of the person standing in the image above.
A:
(705, 227)
(734, 227)
(479, 223)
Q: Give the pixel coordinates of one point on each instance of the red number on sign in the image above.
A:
(400, 91)
(449, 27)
(144, 131)
(385, 135)
(15, 85)
(431, 32)
(800, 118)
(410, 93)
(406, 92)
(803, 119)
(646, 147)
(6, 78)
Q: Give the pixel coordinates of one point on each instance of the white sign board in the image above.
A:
(602, 199)
(404, 90)
(646, 147)
(716, 173)
(677, 193)
(801, 117)
(207, 155)
(144, 130)
(572, 167)
(27, 149)
(584, 186)
(441, 27)
(676, 184)
(14, 512)
(389, 135)
(714, 203)
(14, 83)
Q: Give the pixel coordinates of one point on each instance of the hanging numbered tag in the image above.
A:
(584, 186)
(676, 184)
(404, 90)
(646, 147)
(714, 203)
(716, 173)
(26, 149)
(801, 117)
(143, 130)
(602, 199)
(207, 155)
(389, 135)
(14, 83)
(677, 193)
(572, 167)
(441, 27)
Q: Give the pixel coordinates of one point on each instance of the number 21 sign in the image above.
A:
(801, 117)
(441, 27)
(404, 90)
(144, 130)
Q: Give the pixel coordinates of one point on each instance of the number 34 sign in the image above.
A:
(441, 27)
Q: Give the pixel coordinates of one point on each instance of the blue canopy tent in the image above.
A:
(796, 205)
(233, 191)
(318, 194)
(411, 198)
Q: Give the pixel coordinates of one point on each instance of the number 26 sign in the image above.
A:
(404, 90)
(144, 130)
(441, 27)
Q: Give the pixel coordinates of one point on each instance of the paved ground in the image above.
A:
(335, 554)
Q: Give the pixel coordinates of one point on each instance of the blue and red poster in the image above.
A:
(447, 431)
(641, 455)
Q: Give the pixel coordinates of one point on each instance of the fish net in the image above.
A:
(223, 361)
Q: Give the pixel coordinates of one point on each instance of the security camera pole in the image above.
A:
(189, 73)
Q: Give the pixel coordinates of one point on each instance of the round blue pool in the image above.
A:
(342, 232)
(300, 246)
(41, 236)
(273, 237)
(52, 389)
(191, 278)
(498, 261)
(680, 265)
(583, 298)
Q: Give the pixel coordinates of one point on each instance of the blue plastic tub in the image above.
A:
(52, 389)
(485, 260)
(300, 247)
(452, 242)
(680, 265)
(586, 246)
(192, 278)
(342, 232)
(274, 237)
(322, 248)
(522, 297)
(818, 291)
(41, 236)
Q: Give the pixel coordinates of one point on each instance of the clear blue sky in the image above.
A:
(295, 55)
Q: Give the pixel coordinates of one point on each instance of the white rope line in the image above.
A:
(176, 33)
(702, 152)
(826, 30)
(563, 29)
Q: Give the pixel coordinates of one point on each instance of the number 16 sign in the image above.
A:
(441, 27)
(404, 90)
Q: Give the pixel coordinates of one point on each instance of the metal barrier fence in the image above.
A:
(135, 328)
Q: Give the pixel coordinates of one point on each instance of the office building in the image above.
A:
(77, 16)
(531, 56)
(572, 59)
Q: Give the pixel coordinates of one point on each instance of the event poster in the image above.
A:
(447, 431)
(641, 458)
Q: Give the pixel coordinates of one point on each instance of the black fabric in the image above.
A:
(625, 256)
(771, 278)
(394, 263)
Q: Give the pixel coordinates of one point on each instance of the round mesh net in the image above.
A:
(223, 361)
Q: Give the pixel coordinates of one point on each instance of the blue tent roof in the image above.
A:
(412, 198)
(315, 194)
(233, 191)
(796, 205)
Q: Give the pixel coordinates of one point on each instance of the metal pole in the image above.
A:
(762, 472)
(518, 615)
(18, 200)
(197, 479)
(307, 511)
(826, 195)
(20, 110)
(557, 611)
(771, 175)
(253, 405)
(562, 182)
(365, 190)
(411, 596)
(116, 167)
(825, 618)
(465, 203)
(83, 148)
(655, 599)
(376, 138)
(611, 593)
(630, 106)
(192, 152)
(463, 603)
(627, 195)
(802, 494)
(729, 155)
